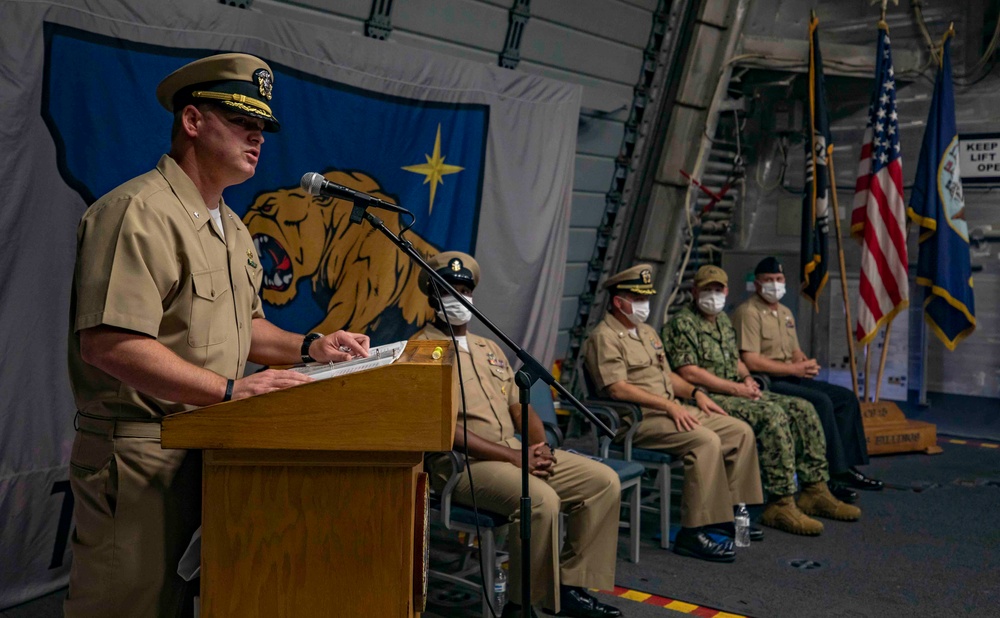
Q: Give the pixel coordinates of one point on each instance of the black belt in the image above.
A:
(117, 428)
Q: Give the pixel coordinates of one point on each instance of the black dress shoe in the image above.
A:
(857, 480)
(578, 603)
(695, 543)
(609, 610)
(728, 529)
(513, 610)
(843, 493)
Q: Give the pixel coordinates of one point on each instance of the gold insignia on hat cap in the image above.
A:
(456, 267)
(265, 82)
(710, 274)
(241, 82)
(637, 280)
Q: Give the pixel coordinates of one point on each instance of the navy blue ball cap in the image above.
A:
(768, 266)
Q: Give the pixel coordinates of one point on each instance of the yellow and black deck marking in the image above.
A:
(979, 443)
(668, 603)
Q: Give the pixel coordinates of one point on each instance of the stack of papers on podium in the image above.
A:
(377, 357)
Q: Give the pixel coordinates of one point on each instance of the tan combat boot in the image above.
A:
(816, 500)
(783, 514)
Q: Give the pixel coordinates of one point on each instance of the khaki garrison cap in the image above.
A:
(637, 280)
(456, 267)
(710, 274)
(241, 82)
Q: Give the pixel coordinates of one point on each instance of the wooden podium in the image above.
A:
(309, 493)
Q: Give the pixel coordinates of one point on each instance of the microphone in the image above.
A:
(315, 184)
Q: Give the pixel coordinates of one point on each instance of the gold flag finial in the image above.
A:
(885, 5)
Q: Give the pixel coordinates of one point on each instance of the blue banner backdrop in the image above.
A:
(112, 128)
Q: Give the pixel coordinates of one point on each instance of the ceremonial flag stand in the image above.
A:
(887, 429)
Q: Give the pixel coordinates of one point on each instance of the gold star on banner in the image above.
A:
(435, 168)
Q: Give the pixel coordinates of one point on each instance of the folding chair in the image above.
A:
(657, 462)
(629, 473)
(461, 518)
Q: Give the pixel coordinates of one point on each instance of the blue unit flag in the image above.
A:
(938, 206)
(321, 272)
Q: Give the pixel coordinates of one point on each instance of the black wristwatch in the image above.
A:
(306, 342)
(698, 389)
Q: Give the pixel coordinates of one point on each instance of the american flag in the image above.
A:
(879, 215)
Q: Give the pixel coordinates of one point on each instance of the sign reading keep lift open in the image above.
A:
(980, 158)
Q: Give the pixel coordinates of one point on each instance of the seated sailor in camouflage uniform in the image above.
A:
(701, 345)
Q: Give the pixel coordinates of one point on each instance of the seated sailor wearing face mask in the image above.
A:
(701, 346)
(587, 491)
(769, 344)
(626, 361)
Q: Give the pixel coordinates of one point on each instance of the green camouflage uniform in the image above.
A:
(788, 428)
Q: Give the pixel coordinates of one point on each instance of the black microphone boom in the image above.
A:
(315, 184)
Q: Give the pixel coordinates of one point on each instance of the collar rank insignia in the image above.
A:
(264, 81)
(250, 259)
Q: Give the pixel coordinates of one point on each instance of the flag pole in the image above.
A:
(843, 276)
(868, 382)
(881, 364)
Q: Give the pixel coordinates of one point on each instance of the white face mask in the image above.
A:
(711, 303)
(772, 291)
(640, 311)
(458, 314)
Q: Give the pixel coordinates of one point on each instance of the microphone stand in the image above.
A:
(530, 372)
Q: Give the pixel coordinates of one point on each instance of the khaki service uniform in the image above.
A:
(765, 331)
(720, 455)
(149, 260)
(772, 334)
(587, 491)
(790, 434)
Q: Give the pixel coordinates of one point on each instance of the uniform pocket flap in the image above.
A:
(210, 284)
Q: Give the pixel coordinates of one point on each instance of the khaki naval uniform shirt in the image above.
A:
(149, 260)
(489, 386)
(765, 331)
(614, 354)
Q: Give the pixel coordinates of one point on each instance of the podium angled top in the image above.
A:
(406, 406)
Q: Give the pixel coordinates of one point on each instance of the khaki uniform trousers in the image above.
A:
(586, 490)
(136, 506)
(720, 463)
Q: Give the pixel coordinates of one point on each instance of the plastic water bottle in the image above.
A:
(742, 522)
(500, 590)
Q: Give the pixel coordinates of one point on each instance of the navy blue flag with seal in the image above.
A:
(321, 273)
(937, 205)
(816, 201)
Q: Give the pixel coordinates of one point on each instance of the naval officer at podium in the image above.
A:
(165, 313)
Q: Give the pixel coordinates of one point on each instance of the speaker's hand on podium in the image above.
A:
(339, 346)
(267, 381)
